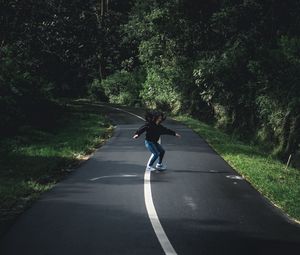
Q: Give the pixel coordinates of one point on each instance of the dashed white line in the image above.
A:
(113, 176)
(235, 177)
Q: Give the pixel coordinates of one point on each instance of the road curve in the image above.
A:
(203, 206)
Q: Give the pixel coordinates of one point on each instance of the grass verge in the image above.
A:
(34, 159)
(269, 176)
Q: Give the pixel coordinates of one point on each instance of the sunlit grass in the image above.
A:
(266, 174)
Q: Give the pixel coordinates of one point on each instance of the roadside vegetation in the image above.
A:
(266, 173)
(36, 157)
(234, 63)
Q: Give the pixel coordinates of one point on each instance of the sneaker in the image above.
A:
(150, 168)
(160, 167)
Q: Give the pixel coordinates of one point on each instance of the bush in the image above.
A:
(159, 90)
(278, 100)
(122, 87)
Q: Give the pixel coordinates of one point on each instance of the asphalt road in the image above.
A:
(202, 206)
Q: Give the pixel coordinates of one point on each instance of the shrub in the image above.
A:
(122, 87)
(159, 90)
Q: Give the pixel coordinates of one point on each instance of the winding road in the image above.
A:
(111, 205)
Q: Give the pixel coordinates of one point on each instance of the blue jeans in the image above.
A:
(157, 151)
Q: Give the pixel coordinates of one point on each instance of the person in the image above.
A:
(154, 130)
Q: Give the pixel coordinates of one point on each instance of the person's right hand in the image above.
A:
(135, 136)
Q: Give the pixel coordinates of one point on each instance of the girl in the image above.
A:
(154, 130)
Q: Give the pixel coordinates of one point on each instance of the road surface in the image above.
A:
(202, 206)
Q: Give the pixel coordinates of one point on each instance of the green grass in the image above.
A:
(34, 159)
(266, 174)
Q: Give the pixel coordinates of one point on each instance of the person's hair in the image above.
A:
(152, 116)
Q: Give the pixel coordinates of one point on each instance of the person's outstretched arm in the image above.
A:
(140, 131)
(167, 131)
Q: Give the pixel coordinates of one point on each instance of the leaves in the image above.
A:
(235, 62)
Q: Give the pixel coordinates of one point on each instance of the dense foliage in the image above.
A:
(236, 62)
(53, 49)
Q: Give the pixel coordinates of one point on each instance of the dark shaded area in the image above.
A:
(231, 63)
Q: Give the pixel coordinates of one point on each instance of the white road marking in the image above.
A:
(190, 202)
(130, 113)
(235, 177)
(113, 176)
(158, 229)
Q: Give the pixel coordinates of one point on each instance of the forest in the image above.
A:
(233, 63)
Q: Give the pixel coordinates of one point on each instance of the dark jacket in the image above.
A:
(153, 131)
